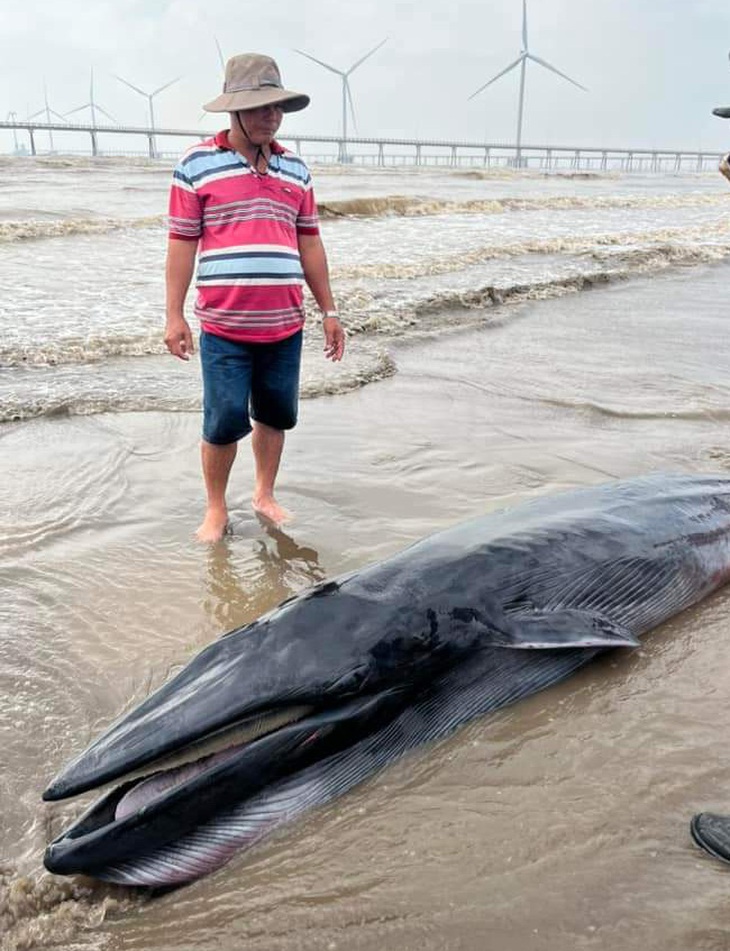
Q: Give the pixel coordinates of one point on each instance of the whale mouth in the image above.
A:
(144, 789)
(171, 797)
(144, 786)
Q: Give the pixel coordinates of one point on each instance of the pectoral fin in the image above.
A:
(568, 627)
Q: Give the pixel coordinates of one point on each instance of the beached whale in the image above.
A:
(314, 697)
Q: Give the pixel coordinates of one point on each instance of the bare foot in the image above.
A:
(214, 526)
(266, 507)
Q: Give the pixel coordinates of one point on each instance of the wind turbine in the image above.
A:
(48, 113)
(93, 106)
(521, 61)
(346, 92)
(149, 96)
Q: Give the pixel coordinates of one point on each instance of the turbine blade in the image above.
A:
(366, 56)
(221, 58)
(326, 65)
(348, 93)
(498, 76)
(547, 65)
(136, 88)
(166, 86)
(105, 113)
(524, 25)
(77, 109)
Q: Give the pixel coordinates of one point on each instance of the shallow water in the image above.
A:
(559, 823)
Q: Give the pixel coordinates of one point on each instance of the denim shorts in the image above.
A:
(245, 381)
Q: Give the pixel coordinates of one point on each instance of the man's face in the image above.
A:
(261, 124)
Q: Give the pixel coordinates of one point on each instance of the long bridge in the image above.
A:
(389, 151)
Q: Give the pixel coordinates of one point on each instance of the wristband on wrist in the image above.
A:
(330, 313)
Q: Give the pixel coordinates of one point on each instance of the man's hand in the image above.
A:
(178, 339)
(334, 338)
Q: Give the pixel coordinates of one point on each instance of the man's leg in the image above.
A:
(267, 445)
(274, 401)
(226, 367)
(217, 462)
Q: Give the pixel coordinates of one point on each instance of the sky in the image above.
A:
(654, 69)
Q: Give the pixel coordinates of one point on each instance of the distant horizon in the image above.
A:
(502, 157)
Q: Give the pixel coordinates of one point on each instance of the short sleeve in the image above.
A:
(308, 218)
(185, 214)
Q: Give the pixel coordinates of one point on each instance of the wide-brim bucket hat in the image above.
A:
(253, 80)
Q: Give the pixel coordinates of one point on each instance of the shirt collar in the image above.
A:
(222, 142)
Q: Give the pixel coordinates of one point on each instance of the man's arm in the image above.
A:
(316, 274)
(178, 275)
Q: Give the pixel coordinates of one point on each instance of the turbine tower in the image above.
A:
(92, 105)
(13, 117)
(149, 96)
(521, 61)
(346, 92)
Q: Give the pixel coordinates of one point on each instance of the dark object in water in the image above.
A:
(712, 833)
(343, 679)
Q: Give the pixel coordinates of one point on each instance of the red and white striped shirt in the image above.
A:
(249, 277)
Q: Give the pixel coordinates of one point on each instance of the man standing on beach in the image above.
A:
(246, 207)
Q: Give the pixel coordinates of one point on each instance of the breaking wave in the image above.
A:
(39, 911)
(415, 206)
(61, 228)
(74, 350)
(673, 244)
(30, 396)
(378, 207)
(600, 261)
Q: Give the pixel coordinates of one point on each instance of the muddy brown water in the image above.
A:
(559, 823)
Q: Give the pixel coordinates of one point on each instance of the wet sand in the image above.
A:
(560, 823)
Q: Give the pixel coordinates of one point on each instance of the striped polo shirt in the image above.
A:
(249, 277)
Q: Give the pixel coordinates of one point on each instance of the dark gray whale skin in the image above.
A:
(390, 657)
(712, 833)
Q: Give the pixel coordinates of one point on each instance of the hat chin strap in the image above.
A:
(259, 151)
(241, 126)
